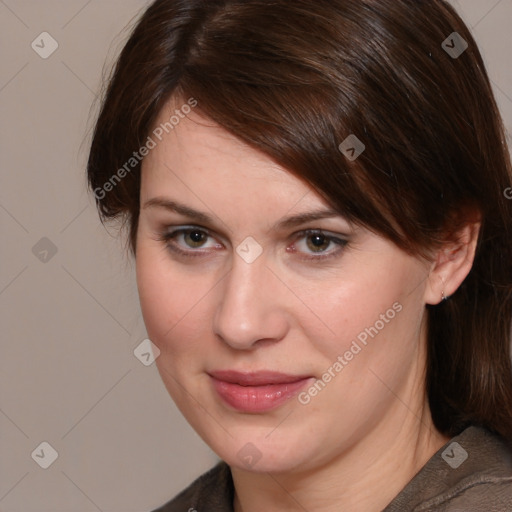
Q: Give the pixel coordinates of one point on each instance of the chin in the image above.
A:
(260, 454)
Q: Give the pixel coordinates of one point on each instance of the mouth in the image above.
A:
(256, 392)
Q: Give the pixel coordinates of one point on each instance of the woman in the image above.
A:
(315, 200)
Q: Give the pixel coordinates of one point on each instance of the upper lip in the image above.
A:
(257, 378)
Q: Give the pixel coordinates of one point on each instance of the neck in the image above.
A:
(367, 477)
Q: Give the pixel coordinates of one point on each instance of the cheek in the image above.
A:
(368, 313)
(176, 322)
(166, 297)
(176, 304)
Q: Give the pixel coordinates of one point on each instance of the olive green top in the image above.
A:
(470, 473)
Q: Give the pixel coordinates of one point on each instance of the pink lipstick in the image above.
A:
(256, 391)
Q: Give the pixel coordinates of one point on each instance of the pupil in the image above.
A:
(196, 236)
(318, 242)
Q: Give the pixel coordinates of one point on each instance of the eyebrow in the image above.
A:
(198, 216)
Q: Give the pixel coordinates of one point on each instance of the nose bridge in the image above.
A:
(249, 309)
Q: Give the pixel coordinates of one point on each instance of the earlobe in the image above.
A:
(452, 264)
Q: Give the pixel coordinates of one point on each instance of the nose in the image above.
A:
(251, 308)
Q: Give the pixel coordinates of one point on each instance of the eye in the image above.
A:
(187, 240)
(315, 244)
(194, 238)
(311, 244)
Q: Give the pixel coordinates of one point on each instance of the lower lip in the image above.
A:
(257, 398)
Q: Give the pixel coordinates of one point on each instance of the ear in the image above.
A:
(452, 263)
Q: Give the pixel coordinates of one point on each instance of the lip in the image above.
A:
(259, 391)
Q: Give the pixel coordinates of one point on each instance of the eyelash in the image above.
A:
(168, 239)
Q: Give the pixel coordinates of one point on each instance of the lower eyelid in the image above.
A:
(326, 255)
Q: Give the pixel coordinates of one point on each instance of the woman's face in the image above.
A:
(285, 333)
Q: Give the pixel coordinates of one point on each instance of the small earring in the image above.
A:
(444, 298)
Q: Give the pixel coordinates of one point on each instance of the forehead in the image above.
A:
(197, 153)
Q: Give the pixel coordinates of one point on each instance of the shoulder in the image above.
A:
(473, 471)
(212, 491)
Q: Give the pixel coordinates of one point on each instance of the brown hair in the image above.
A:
(293, 79)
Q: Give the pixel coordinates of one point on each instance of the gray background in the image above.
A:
(70, 321)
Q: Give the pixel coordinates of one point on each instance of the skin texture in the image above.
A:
(364, 436)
